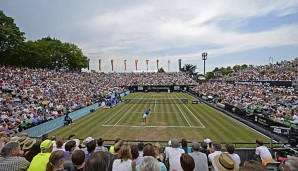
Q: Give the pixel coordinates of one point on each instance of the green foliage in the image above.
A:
(209, 75)
(10, 37)
(189, 69)
(161, 70)
(44, 53)
(236, 68)
(244, 66)
(262, 72)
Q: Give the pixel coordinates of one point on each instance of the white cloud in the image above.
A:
(158, 29)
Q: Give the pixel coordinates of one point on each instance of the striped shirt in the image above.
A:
(13, 164)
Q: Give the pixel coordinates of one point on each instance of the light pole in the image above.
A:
(88, 64)
(204, 57)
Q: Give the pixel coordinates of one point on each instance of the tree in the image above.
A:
(244, 66)
(10, 37)
(236, 68)
(161, 70)
(189, 69)
(209, 75)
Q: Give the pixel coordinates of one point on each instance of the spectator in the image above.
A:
(34, 150)
(112, 150)
(158, 152)
(40, 161)
(134, 153)
(91, 145)
(140, 147)
(224, 162)
(78, 160)
(27, 145)
(124, 161)
(215, 150)
(252, 165)
(262, 155)
(289, 165)
(150, 151)
(184, 146)
(114, 156)
(149, 163)
(69, 149)
(200, 159)
(173, 155)
(187, 162)
(10, 159)
(59, 145)
(100, 146)
(97, 161)
(56, 160)
(231, 151)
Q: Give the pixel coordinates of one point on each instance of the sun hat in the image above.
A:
(46, 144)
(86, 141)
(23, 139)
(14, 139)
(28, 144)
(225, 162)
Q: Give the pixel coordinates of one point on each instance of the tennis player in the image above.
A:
(146, 113)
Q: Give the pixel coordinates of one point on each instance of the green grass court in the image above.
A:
(169, 118)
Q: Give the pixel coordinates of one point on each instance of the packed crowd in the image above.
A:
(278, 103)
(52, 154)
(29, 97)
(280, 71)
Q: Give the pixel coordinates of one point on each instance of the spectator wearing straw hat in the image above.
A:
(28, 145)
(40, 161)
(10, 159)
(225, 162)
(22, 140)
(34, 150)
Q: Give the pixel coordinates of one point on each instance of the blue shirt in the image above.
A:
(146, 112)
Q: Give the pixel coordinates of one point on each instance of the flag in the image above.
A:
(136, 62)
(112, 63)
(147, 61)
(99, 65)
(125, 64)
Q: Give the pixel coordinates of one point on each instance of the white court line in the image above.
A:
(156, 112)
(116, 114)
(154, 104)
(126, 113)
(181, 112)
(130, 126)
(192, 114)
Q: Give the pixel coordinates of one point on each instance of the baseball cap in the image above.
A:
(46, 144)
(195, 145)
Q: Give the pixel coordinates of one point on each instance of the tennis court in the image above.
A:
(166, 110)
(170, 117)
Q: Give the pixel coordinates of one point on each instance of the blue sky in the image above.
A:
(231, 31)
